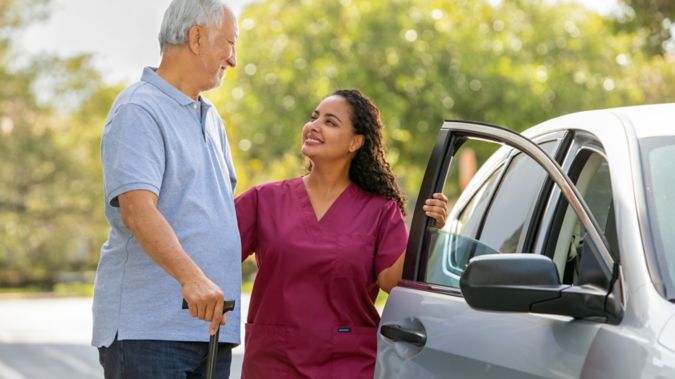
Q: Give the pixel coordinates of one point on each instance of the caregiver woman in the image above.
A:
(325, 243)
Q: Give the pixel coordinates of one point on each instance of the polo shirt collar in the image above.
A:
(150, 76)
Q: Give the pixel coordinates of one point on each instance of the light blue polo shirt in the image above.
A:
(158, 139)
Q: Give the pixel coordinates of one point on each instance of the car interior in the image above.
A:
(572, 252)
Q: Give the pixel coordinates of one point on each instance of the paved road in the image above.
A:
(49, 338)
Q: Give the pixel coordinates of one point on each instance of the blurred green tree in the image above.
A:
(51, 112)
(422, 61)
(653, 19)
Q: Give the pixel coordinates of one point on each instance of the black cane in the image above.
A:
(228, 305)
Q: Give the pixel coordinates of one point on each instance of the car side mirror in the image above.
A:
(529, 283)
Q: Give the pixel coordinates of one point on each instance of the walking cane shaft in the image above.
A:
(213, 353)
(228, 305)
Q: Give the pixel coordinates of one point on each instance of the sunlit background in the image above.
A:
(513, 63)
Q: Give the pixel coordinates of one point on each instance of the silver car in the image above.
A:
(557, 260)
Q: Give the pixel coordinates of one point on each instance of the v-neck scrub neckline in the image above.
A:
(302, 193)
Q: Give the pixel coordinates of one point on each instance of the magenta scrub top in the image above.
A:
(312, 312)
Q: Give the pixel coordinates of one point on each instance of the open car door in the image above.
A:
(469, 309)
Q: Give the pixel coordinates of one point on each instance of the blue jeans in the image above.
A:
(151, 359)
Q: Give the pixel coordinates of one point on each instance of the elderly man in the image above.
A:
(169, 183)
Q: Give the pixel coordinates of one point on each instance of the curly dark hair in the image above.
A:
(369, 170)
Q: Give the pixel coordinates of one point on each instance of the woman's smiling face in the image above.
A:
(329, 133)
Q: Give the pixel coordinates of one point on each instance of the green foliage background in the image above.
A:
(421, 61)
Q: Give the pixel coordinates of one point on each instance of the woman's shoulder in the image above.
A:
(278, 186)
(373, 199)
(270, 192)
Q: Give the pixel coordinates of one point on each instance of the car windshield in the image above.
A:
(658, 159)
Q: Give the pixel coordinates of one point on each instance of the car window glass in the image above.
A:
(599, 194)
(451, 249)
(470, 218)
(513, 203)
(659, 167)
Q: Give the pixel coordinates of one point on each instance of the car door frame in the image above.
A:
(450, 138)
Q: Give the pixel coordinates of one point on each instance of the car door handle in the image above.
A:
(399, 333)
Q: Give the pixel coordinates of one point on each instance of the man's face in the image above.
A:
(219, 51)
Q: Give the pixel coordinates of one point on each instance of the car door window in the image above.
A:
(452, 248)
(513, 203)
(493, 222)
(469, 220)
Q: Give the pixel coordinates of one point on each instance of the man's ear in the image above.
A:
(196, 38)
(357, 141)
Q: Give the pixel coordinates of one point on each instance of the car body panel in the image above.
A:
(483, 345)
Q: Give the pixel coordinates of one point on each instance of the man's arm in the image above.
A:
(158, 240)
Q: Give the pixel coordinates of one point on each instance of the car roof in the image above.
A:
(649, 120)
(641, 120)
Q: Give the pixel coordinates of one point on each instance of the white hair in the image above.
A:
(181, 15)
